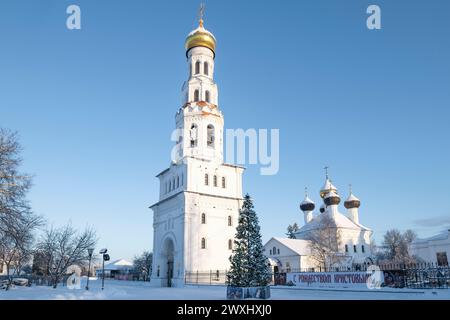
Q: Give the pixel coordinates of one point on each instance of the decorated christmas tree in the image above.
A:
(249, 265)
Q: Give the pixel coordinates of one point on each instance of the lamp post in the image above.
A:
(90, 252)
(105, 258)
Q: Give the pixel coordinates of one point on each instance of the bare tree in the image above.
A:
(325, 242)
(396, 246)
(60, 248)
(291, 229)
(143, 264)
(17, 222)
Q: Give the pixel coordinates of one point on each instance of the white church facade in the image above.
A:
(354, 238)
(195, 218)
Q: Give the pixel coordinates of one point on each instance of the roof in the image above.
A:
(340, 220)
(328, 185)
(299, 246)
(120, 264)
(307, 201)
(441, 236)
(352, 197)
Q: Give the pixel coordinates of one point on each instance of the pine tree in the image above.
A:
(249, 266)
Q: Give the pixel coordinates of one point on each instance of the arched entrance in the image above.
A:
(168, 253)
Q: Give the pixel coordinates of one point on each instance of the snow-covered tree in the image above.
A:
(143, 264)
(325, 242)
(249, 265)
(65, 247)
(17, 221)
(396, 246)
(291, 229)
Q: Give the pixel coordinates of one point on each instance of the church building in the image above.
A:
(195, 219)
(354, 238)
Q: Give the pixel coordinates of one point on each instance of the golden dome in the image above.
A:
(200, 37)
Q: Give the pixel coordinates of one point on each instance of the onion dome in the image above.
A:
(332, 198)
(327, 188)
(307, 205)
(322, 209)
(352, 202)
(200, 37)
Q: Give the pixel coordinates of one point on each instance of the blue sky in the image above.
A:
(95, 107)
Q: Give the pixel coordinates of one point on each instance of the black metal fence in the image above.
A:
(212, 277)
(417, 275)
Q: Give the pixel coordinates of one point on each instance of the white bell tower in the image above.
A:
(195, 218)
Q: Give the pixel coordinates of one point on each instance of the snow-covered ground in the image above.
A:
(128, 290)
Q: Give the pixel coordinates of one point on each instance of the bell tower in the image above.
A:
(195, 218)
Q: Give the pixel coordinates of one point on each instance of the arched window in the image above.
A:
(230, 221)
(274, 250)
(354, 249)
(206, 68)
(194, 134)
(203, 218)
(230, 244)
(270, 251)
(196, 95)
(223, 182)
(215, 181)
(206, 179)
(346, 248)
(197, 67)
(178, 181)
(278, 251)
(207, 96)
(210, 136)
(203, 243)
(363, 250)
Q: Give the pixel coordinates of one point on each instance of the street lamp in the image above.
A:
(105, 258)
(90, 252)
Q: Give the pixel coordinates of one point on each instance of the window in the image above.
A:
(223, 182)
(203, 243)
(274, 250)
(206, 179)
(346, 248)
(215, 181)
(206, 68)
(197, 67)
(288, 267)
(193, 134)
(178, 181)
(207, 96)
(203, 218)
(278, 251)
(170, 186)
(173, 184)
(442, 259)
(196, 95)
(230, 244)
(270, 251)
(363, 249)
(230, 221)
(354, 248)
(210, 136)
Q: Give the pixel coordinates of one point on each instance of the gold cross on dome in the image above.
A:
(201, 13)
(326, 171)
